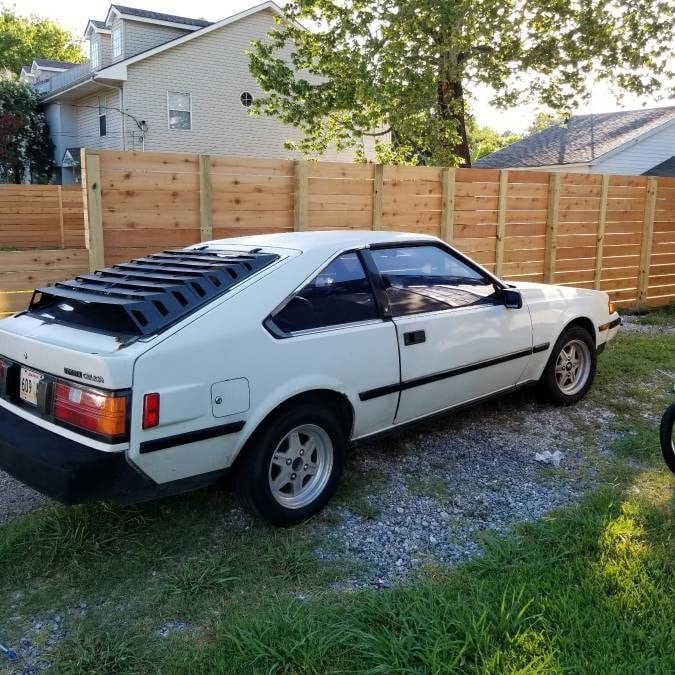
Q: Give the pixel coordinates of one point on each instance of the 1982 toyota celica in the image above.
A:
(269, 356)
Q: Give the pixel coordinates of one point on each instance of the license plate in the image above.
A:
(28, 386)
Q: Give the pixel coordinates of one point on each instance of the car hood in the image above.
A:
(532, 290)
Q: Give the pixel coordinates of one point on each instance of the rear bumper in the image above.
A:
(64, 469)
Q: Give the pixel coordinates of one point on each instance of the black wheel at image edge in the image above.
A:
(666, 436)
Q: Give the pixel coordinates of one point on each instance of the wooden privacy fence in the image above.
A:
(615, 233)
(22, 271)
(41, 216)
(42, 240)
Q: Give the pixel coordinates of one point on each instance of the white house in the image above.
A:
(630, 142)
(163, 83)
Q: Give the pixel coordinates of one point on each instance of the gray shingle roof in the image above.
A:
(48, 63)
(666, 168)
(98, 24)
(160, 16)
(583, 139)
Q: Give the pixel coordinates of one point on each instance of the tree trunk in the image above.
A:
(452, 108)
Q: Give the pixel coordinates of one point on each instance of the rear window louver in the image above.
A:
(146, 295)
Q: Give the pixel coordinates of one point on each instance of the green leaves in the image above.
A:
(23, 39)
(408, 66)
(25, 146)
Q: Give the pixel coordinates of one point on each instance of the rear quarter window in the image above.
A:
(339, 294)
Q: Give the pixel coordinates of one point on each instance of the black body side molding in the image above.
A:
(190, 437)
(442, 375)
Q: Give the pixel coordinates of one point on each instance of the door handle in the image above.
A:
(414, 337)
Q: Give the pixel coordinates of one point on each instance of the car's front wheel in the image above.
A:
(293, 465)
(571, 367)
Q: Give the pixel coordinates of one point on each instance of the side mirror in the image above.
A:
(512, 298)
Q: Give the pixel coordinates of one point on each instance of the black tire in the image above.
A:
(254, 476)
(666, 434)
(549, 384)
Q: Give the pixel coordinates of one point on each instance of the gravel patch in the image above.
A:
(449, 484)
(17, 499)
(630, 323)
(34, 645)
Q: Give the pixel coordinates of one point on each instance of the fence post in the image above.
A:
(205, 212)
(646, 243)
(378, 184)
(501, 221)
(552, 216)
(602, 221)
(448, 205)
(59, 196)
(301, 203)
(91, 186)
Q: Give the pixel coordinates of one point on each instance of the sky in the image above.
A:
(74, 15)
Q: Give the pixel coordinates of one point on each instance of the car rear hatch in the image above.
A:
(85, 334)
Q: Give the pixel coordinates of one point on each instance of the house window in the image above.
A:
(95, 53)
(180, 110)
(246, 99)
(102, 122)
(117, 41)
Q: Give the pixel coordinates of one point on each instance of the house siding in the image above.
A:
(86, 112)
(62, 120)
(214, 70)
(140, 36)
(641, 155)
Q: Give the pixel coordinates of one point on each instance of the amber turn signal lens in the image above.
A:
(611, 307)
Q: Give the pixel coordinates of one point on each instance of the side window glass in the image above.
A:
(428, 279)
(339, 294)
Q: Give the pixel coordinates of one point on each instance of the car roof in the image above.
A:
(325, 240)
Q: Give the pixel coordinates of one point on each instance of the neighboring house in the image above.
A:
(163, 83)
(631, 142)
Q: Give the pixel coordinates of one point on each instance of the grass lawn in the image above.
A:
(588, 589)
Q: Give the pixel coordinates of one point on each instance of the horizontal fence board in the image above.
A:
(23, 271)
(41, 216)
(152, 201)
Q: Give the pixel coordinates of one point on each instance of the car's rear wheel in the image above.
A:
(292, 466)
(571, 367)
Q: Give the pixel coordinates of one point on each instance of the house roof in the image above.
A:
(582, 140)
(666, 168)
(47, 63)
(118, 71)
(97, 24)
(114, 68)
(160, 16)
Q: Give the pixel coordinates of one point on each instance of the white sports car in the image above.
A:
(270, 355)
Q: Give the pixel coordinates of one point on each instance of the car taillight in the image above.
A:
(93, 411)
(150, 411)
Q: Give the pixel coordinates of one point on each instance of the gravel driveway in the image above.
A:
(17, 499)
(428, 494)
(434, 494)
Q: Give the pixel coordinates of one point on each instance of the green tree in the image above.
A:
(23, 39)
(25, 146)
(543, 119)
(483, 140)
(404, 67)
